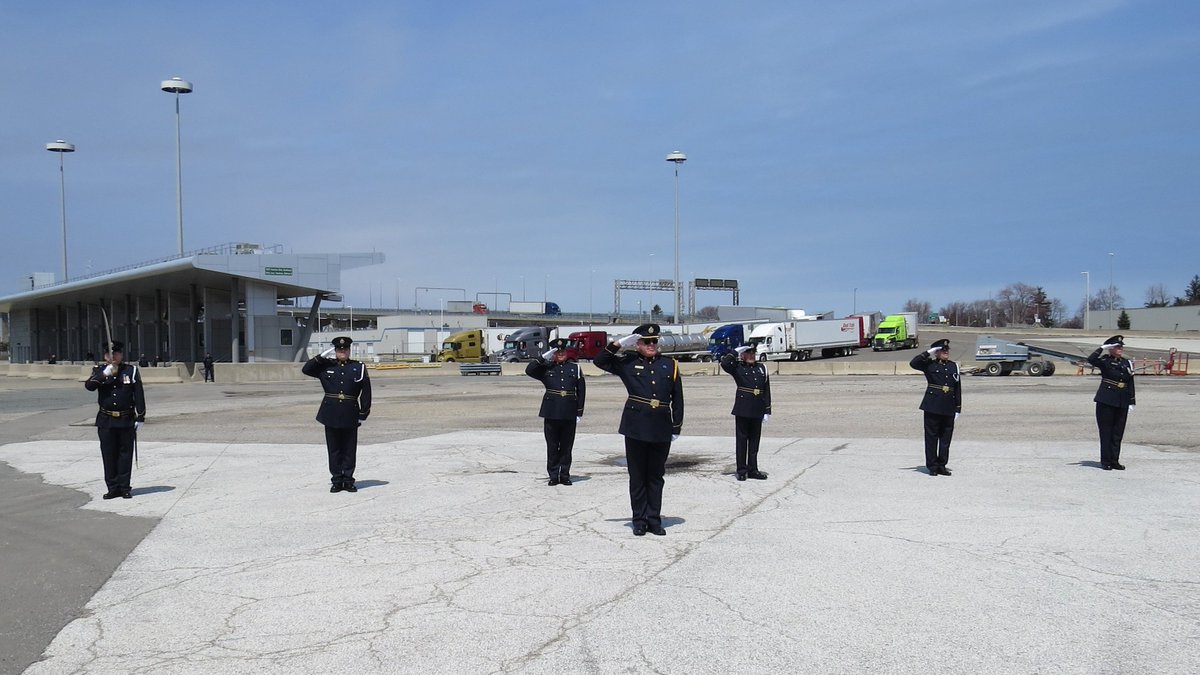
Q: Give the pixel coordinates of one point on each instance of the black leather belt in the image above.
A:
(940, 389)
(748, 390)
(117, 413)
(1118, 385)
(341, 397)
(561, 392)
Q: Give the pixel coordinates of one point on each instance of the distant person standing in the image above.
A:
(562, 407)
(143, 361)
(345, 406)
(751, 408)
(209, 376)
(118, 388)
(942, 403)
(53, 359)
(1115, 399)
(651, 419)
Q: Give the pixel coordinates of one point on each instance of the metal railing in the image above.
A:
(230, 248)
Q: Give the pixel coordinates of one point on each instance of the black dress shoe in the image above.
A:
(1118, 466)
(565, 481)
(552, 481)
(757, 475)
(336, 487)
(639, 529)
(112, 494)
(349, 487)
(943, 471)
(741, 476)
(932, 471)
(658, 530)
(126, 494)
(1106, 467)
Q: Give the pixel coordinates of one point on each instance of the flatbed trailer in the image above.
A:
(1004, 358)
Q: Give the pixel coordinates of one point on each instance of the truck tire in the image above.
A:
(448, 360)
(993, 368)
(1049, 369)
(1034, 368)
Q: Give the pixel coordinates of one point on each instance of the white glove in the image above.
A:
(1108, 346)
(549, 353)
(328, 353)
(578, 419)
(1131, 407)
(110, 370)
(674, 437)
(743, 349)
(137, 426)
(765, 418)
(629, 340)
(933, 350)
(956, 416)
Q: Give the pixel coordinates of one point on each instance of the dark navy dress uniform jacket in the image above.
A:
(559, 378)
(943, 390)
(750, 378)
(348, 379)
(1116, 383)
(646, 380)
(121, 392)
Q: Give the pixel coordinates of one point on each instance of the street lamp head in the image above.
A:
(177, 85)
(60, 146)
(677, 157)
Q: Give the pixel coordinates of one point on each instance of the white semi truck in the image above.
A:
(800, 340)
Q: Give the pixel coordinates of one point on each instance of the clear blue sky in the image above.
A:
(937, 149)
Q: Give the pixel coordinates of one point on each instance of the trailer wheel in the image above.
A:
(993, 368)
(448, 360)
(1034, 368)
(1049, 369)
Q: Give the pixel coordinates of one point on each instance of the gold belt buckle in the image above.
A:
(1120, 385)
(562, 393)
(945, 389)
(756, 392)
(653, 403)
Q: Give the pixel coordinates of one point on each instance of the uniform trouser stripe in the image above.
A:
(939, 430)
(748, 433)
(647, 463)
(560, 439)
(342, 445)
(1111, 422)
(116, 450)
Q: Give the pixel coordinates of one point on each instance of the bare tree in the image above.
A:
(921, 307)
(708, 313)
(1106, 298)
(1158, 296)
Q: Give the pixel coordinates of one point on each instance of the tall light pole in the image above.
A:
(855, 305)
(546, 289)
(650, 289)
(351, 316)
(61, 147)
(591, 274)
(1111, 292)
(178, 86)
(677, 158)
(1087, 297)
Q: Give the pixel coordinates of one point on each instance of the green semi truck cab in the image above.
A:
(896, 331)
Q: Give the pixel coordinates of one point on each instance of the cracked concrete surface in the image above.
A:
(455, 556)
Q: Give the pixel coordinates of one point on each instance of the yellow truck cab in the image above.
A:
(464, 347)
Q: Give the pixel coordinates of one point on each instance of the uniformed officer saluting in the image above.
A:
(652, 418)
(346, 404)
(562, 407)
(118, 387)
(942, 403)
(751, 407)
(1114, 399)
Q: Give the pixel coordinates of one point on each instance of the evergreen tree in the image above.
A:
(1123, 320)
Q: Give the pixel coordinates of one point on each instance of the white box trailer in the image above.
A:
(800, 340)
